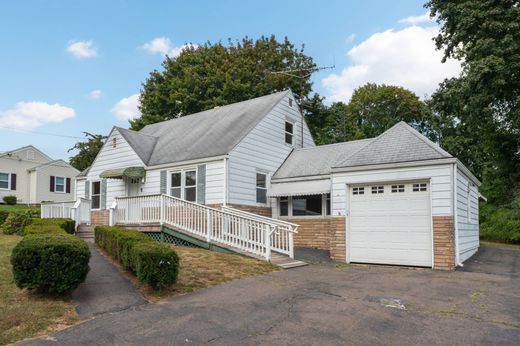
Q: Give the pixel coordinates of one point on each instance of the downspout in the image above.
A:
(456, 216)
(226, 173)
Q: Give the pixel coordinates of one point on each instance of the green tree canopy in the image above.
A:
(87, 151)
(215, 74)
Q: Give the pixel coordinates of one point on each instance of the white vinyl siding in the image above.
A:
(441, 187)
(263, 149)
(79, 186)
(468, 227)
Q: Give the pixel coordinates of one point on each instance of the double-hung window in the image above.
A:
(95, 195)
(261, 188)
(59, 184)
(289, 132)
(4, 181)
(183, 184)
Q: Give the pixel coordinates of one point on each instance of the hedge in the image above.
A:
(42, 229)
(3, 216)
(51, 262)
(153, 263)
(68, 225)
(16, 222)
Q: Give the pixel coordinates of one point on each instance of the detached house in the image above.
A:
(248, 175)
(33, 177)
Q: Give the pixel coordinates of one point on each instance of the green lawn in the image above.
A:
(25, 314)
(17, 207)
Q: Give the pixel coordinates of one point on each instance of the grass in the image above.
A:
(200, 268)
(17, 207)
(25, 314)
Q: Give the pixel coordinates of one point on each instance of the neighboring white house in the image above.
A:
(394, 199)
(34, 177)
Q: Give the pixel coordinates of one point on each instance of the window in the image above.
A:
(114, 142)
(290, 102)
(59, 184)
(289, 130)
(261, 188)
(397, 188)
(95, 196)
(190, 186)
(307, 205)
(284, 206)
(183, 185)
(4, 181)
(419, 187)
(378, 189)
(358, 190)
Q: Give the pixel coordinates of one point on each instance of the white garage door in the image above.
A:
(390, 224)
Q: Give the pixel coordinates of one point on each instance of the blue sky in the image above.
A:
(65, 65)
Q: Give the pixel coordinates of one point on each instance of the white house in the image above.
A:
(33, 177)
(394, 199)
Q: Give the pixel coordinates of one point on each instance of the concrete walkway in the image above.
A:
(105, 290)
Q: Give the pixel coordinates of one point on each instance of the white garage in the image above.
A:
(391, 224)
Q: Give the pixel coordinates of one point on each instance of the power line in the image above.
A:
(39, 133)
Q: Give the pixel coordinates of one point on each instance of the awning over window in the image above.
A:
(119, 173)
(299, 188)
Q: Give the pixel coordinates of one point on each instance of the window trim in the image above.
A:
(398, 188)
(420, 187)
(262, 188)
(287, 121)
(323, 214)
(56, 184)
(377, 189)
(92, 194)
(8, 182)
(183, 185)
(358, 190)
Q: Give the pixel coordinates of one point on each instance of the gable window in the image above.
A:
(358, 190)
(289, 132)
(397, 188)
(95, 195)
(4, 181)
(59, 184)
(419, 187)
(183, 184)
(261, 188)
(114, 142)
(290, 102)
(378, 189)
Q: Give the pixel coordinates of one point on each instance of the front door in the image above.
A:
(133, 187)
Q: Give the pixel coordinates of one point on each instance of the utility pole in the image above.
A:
(302, 73)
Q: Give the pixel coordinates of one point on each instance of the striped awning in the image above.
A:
(119, 173)
(299, 188)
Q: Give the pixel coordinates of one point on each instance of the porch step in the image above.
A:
(285, 262)
(85, 232)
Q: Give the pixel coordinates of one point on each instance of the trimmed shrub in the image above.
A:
(42, 229)
(68, 225)
(16, 222)
(3, 216)
(155, 264)
(51, 263)
(10, 199)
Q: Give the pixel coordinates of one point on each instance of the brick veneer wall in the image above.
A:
(337, 239)
(99, 217)
(443, 243)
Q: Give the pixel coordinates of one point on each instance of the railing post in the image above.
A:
(291, 245)
(267, 242)
(112, 213)
(63, 210)
(161, 199)
(209, 225)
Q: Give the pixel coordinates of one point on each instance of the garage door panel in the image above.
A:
(391, 228)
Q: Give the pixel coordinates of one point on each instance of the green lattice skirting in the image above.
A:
(169, 239)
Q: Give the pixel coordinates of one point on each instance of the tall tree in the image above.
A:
(484, 102)
(87, 151)
(215, 74)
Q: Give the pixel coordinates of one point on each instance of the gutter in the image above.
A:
(187, 162)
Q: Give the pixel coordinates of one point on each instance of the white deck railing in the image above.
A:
(246, 232)
(56, 210)
(81, 211)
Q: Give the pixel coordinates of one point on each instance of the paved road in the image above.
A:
(327, 304)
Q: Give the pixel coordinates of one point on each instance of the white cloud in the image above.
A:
(95, 94)
(406, 57)
(126, 108)
(163, 46)
(82, 49)
(414, 20)
(32, 114)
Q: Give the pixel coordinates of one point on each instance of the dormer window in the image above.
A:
(289, 132)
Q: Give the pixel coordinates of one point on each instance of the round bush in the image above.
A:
(155, 264)
(11, 199)
(51, 263)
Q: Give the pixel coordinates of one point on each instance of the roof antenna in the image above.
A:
(302, 73)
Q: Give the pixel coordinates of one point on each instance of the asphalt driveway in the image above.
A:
(329, 304)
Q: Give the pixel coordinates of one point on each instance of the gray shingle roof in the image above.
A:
(400, 143)
(210, 133)
(317, 160)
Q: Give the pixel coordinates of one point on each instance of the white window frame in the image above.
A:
(419, 187)
(377, 189)
(261, 188)
(56, 184)
(358, 190)
(285, 132)
(398, 188)
(92, 194)
(8, 182)
(324, 214)
(183, 181)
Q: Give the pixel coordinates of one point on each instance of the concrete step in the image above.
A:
(285, 262)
